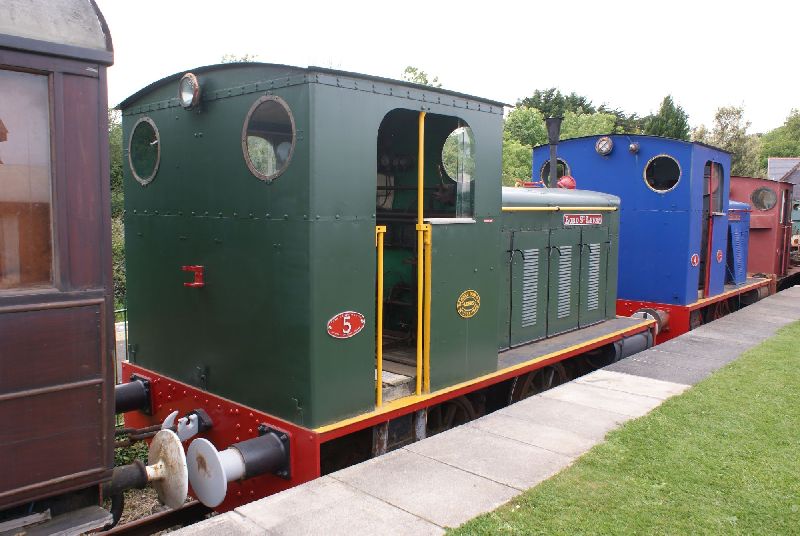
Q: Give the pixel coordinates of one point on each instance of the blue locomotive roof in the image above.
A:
(633, 137)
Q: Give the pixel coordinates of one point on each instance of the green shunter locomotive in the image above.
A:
(330, 255)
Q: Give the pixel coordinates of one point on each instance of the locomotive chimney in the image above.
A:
(553, 133)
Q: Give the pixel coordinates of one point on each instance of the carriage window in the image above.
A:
(662, 173)
(562, 168)
(144, 151)
(764, 198)
(268, 137)
(26, 243)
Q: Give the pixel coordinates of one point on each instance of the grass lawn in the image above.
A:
(723, 458)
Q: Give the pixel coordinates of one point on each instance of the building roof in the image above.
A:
(784, 169)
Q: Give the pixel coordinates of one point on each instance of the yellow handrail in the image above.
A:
(556, 209)
(380, 230)
(421, 169)
(426, 365)
(420, 247)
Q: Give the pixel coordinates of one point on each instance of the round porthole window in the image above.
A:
(144, 151)
(268, 137)
(662, 173)
(764, 198)
(458, 155)
(561, 169)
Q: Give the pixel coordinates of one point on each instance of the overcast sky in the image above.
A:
(627, 54)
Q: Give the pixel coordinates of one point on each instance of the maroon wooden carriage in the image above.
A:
(56, 309)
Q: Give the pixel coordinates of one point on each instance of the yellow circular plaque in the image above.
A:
(468, 304)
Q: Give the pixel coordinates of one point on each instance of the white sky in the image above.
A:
(628, 54)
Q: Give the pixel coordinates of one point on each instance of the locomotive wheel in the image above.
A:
(537, 381)
(722, 309)
(695, 319)
(450, 414)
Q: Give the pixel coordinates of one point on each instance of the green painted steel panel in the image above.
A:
(563, 303)
(463, 348)
(529, 275)
(595, 246)
(211, 337)
(505, 291)
(341, 278)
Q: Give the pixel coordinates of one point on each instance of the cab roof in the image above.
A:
(293, 70)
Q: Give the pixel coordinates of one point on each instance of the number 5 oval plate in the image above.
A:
(345, 325)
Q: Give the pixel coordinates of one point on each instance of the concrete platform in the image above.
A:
(450, 478)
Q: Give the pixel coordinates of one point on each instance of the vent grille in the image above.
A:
(737, 241)
(564, 281)
(530, 286)
(593, 293)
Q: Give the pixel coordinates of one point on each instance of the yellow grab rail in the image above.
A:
(420, 247)
(421, 169)
(380, 230)
(426, 365)
(557, 209)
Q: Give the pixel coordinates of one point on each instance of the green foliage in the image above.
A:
(457, 154)
(126, 455)
(115, 154)
(525, 128)
(784, 141)
(671, 121)
(730, 133)
(117, 207)
(577, 124)
(233, 58)
(526, 125)
(719, 459)
(624, 123)
(552, 103)
(418, 76)
(262, 154)
(516, 161)
(118, 261)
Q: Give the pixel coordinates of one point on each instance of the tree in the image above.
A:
(458, 157)
(233, 58)
(418, 76)
(782, 141)
(516, 161)
(117, 202)
(115, 153)
(552, 103)
(730, 133)
(578, 124)
(671, 121)
(525, 128)
(624, 123)
(526, 125)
